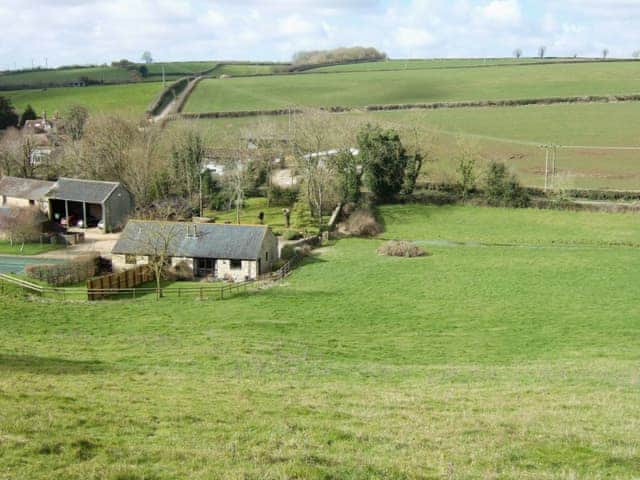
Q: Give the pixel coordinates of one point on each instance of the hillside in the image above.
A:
(355, 89)
(478, 361)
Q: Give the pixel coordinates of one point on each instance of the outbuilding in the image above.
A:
(24, 192)
(215, 251)
(90, 203)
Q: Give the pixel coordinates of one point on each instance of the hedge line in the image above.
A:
(68, 273)
(424, 106)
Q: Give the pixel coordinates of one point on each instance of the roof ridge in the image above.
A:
(183, 222)
(87, 180)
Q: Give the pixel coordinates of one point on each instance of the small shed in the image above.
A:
(90, 203)
(24, 192)
(219, 251)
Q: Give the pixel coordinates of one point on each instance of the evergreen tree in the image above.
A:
(8, 115)
(384, 160)
(28, 114)
(350, 180)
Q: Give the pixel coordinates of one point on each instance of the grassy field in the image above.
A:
(45, 78)
(179, 68)
(510, 134)
(411, 86)
(473, 362)
(130, 99)
(244, 69)
(437, 63)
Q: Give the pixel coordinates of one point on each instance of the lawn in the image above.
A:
(29, 248)
(411, 86)
(128, 99)
(474, 362)
(273, 215)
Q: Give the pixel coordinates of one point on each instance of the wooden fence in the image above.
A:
(98, 288)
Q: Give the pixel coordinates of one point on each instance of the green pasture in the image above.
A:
(422, 64)
(179, 68)
(245, 69)
(413, 86)
(509, 134)
(515, 361)
(131, 99)
(46, 78)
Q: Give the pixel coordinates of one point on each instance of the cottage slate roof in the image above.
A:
(26, 188)
(236, 242)
(89, 191)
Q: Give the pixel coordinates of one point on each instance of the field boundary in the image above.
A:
(416, 106)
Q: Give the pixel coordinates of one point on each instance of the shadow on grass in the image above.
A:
(48, 365)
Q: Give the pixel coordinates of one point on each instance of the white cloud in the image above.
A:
(502, 12)
(97, 31)
(413, 37)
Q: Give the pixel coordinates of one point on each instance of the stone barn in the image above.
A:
(24, 192)
(209, 250)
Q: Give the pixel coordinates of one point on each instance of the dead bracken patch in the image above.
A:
(401, 248)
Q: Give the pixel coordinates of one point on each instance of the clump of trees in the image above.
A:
(337, 55)
(387, 166)
(22, 225)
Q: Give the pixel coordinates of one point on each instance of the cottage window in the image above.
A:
(130, 259)
(266, 256)
(235, 264)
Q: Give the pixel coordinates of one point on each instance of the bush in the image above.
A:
(181, 271)
(401, 248)
(283, 197)
(503, 189)
(290, 251)
(361, 223)
(75, 271)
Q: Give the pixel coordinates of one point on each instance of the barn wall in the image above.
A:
(117, 209)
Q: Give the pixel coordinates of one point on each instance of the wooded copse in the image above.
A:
(337, 55)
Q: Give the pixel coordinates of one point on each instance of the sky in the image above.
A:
(63, 32)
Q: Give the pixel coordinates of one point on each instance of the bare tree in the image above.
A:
(636, 54)
(16, 148)
(146, 57)
(22, 225)
(605, 53)
(157, 241)
(542, 51)
(517, 53)
(312, 142)
(75, 119)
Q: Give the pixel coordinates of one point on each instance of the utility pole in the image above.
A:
(46, 62)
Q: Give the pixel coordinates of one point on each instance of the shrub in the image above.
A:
(290, 251)
(283, 197)
(74, 271)
(401, 248)
(503, 189)
(361, 223)
(181, 271)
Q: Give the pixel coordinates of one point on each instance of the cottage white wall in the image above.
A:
(246, 271)
(119, 262)
(43, 205)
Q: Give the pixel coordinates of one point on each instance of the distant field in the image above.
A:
(243, 69)
(180, 68)
(512, 135)
(127, 99)
(413, 86)
(513, 362)
(422, 64)
(44, 78)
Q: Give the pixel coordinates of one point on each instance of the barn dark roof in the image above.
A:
(208, 240)
(26, 188)
(89, 191)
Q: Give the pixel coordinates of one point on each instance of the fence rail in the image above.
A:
(117, 286)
